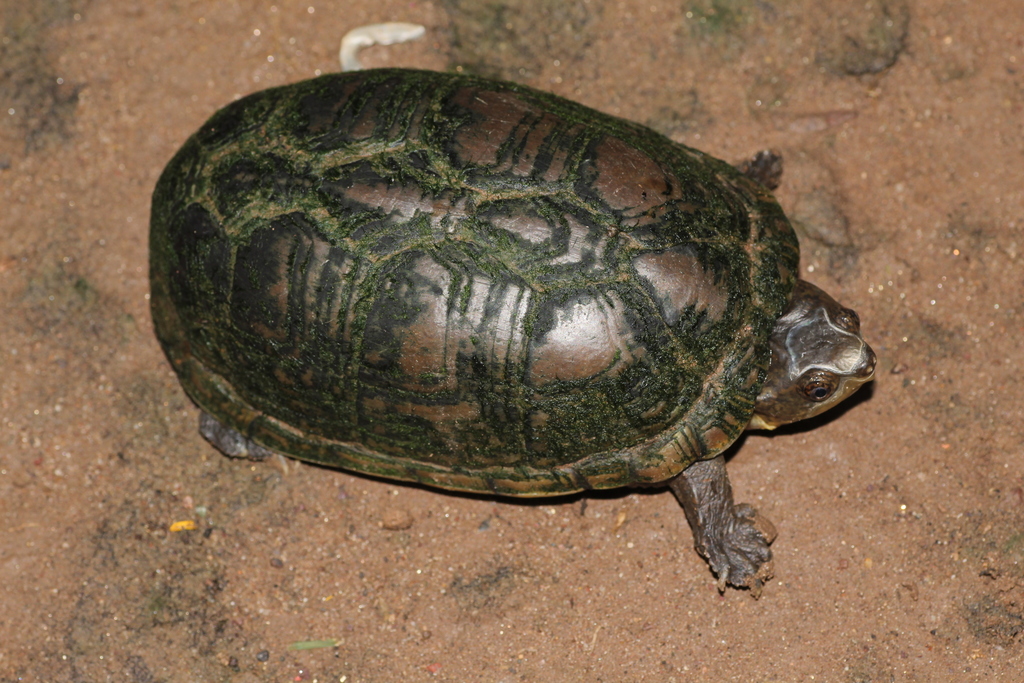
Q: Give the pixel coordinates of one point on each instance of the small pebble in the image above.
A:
(263, 655)
(397, 520)
(276, 562)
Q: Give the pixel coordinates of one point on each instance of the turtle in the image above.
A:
(482, 287)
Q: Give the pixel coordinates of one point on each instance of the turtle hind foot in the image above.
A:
(764, 167)
(230, 441)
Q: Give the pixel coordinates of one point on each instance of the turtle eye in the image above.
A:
(819, 393)
(848, 320)
(819, 386)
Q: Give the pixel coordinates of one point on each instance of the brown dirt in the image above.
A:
(901, 552)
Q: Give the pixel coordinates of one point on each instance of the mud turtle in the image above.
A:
(482, 287)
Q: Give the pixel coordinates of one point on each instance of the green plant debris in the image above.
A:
(313, 644)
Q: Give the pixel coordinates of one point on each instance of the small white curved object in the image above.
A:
(375, 34)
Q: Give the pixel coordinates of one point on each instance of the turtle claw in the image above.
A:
(733, 538)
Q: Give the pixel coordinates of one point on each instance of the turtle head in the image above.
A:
(818, 359)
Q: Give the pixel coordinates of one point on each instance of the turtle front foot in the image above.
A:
(741, 556)
(733, 538)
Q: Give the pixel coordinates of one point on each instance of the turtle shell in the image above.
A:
(465, 283)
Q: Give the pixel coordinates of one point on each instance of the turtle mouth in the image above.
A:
(758, 421)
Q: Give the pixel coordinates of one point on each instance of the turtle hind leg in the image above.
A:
(229, 441)
(765, 167)
(733, 538)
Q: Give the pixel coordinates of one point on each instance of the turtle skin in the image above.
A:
(465, 283)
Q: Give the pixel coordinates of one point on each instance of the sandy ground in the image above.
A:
(901, 548)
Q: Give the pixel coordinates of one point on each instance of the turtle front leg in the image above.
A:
(733, 538)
